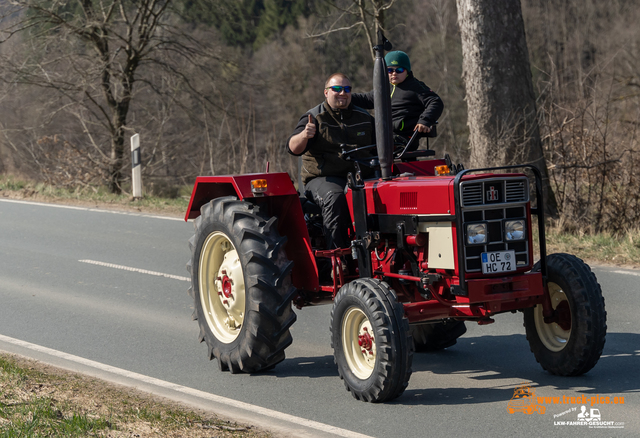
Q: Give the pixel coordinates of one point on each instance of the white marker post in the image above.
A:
(136, 167)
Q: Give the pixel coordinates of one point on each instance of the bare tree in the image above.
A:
(366, 16)
(91, 53)
(502, 115)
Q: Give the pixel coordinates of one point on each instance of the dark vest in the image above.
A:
(352, 126)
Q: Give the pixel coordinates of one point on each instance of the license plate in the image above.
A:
(498, 261)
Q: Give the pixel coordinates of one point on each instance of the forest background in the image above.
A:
(218, 86)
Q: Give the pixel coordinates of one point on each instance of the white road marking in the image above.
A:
(185, 390)
(627, 273)
(98, 210)
(618, 355)
(141, 271)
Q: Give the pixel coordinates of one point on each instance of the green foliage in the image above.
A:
(8, 369)
(66, 10)
(44, 417)
(39, 403)
(46, 15)
(27, 414)
(236, 20)
(245, 23)
(277, 15)
(10, 183)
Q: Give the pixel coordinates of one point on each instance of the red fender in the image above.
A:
(280, 199)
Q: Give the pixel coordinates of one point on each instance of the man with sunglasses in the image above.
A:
(414, 107)
(318, 137)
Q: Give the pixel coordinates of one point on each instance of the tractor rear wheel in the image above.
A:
(437, 336)
(371, 341)
(241, 286)
(572, 344)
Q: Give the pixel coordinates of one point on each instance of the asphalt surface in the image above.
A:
(107, 291)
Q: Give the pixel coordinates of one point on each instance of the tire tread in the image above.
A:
(589, 319)
(269, 315)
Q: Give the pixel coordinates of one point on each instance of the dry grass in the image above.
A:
(38, 400)
(600, 249)
(11, 188)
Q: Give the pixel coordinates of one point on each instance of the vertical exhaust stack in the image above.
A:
(382, 104)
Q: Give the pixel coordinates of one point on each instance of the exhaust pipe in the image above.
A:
(382, 105)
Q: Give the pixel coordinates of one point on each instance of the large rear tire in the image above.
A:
(437, 336)
(241, 286)
(371, 341)
(572, 345)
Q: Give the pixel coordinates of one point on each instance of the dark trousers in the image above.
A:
(328, 193)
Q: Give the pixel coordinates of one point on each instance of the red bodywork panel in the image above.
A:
(208, 188)
(281, 199)
(425, 194)
(410, 195)
(485, 299)
(417, 192)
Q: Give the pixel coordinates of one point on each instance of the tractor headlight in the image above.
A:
(476, 233)
(514, 230)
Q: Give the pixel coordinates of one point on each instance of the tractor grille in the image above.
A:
(494, 191)
(493, 202)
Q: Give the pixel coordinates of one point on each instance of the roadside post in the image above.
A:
(136, 167)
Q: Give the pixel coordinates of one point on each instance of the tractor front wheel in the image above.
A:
(241, 286)
(371, 341)
(573, 343)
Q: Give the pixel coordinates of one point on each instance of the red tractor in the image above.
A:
(433, 245)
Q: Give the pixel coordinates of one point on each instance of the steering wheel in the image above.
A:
(400, 152)
(349, 155)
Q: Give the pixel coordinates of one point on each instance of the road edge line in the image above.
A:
(268, 418)
(97, 210)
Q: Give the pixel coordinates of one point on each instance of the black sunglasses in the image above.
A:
(339, 88)
(398, 70)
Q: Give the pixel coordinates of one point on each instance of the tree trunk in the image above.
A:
(502, 119)
(116, 162)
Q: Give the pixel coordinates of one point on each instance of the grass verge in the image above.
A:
(601, 248)
(37, 400)
(13, 188)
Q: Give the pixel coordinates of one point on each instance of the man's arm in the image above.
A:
(433, 107)
(298, 142)
(363, 100)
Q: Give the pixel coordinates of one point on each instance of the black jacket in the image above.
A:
(352, 126)
(412, 102)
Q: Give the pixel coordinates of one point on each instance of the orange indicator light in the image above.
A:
(442, 170)
(259, 186)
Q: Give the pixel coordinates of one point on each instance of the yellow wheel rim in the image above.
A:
(554, 336)
(222, 292)
(358, 343)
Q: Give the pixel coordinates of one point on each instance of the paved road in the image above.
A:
(63, 286)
